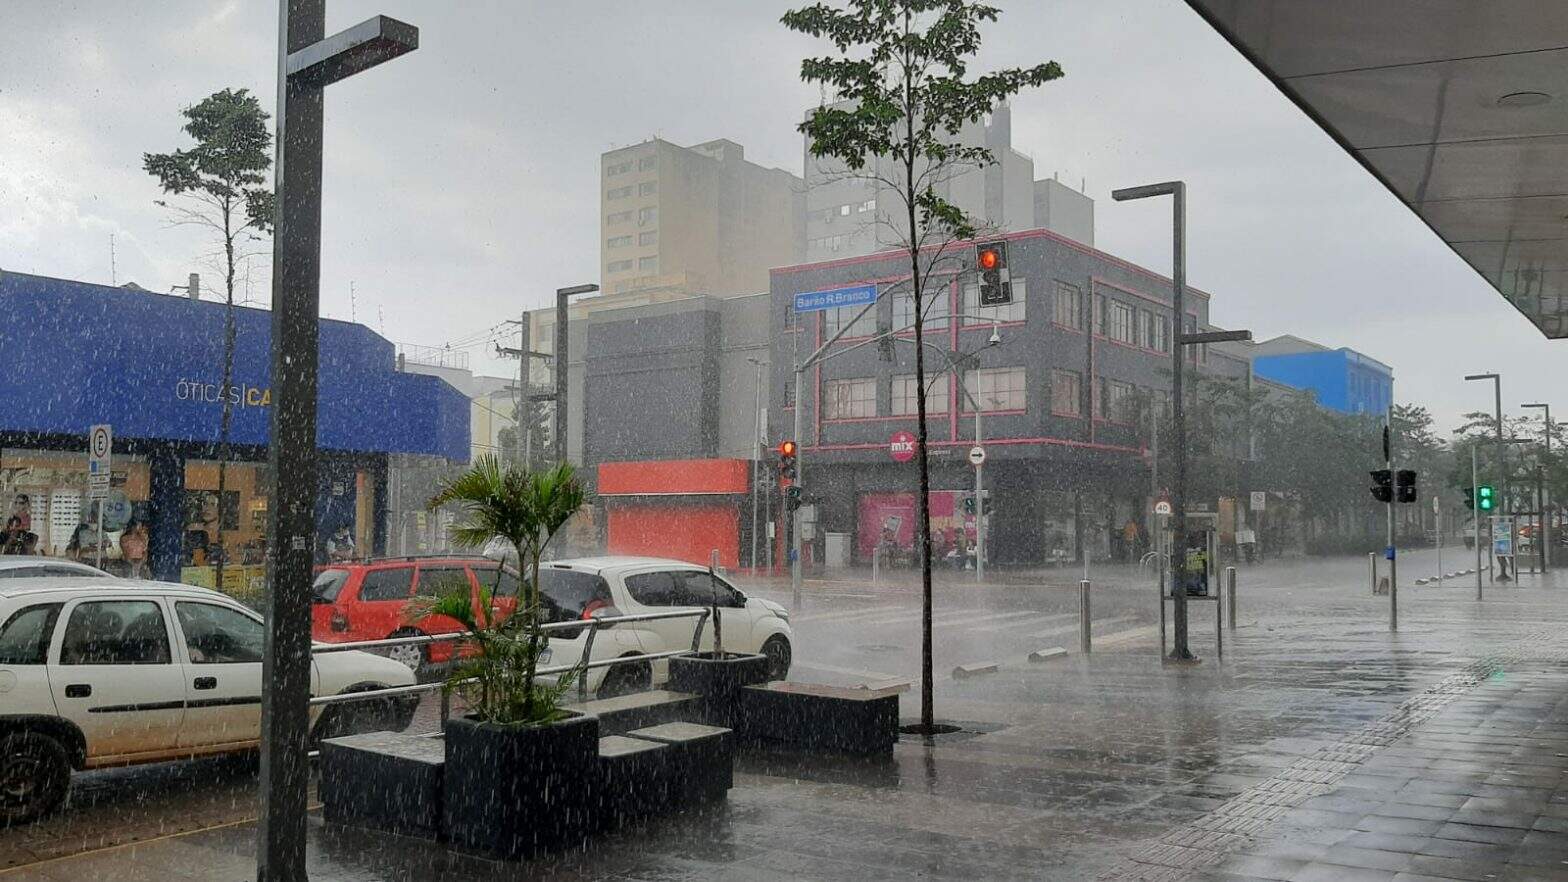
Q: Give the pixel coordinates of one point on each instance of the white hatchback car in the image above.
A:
(104, 672)
(584, 588)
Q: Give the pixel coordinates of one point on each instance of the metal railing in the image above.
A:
(582, 666)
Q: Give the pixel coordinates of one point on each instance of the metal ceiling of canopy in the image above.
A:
(1460, 107)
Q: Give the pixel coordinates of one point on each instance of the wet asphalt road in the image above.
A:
(852, 632)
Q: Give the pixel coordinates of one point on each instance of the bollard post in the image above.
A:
(1230, 597)
(876, 564)
(446, 708)
(1084, 618)
(1372, 561)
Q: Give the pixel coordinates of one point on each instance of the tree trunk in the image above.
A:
(922, 501)
(228, 378)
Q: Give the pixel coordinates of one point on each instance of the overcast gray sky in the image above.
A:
(461, 180)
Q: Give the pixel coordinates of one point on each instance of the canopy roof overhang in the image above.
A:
(1459, 107)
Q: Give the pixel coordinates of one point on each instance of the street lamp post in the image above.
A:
(756, 456)
(1177, 190)
(308, 62)
(1546, 521)
(1502, 481)
(562, 365)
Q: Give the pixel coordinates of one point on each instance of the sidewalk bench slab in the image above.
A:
(636, 777)
(621, 714)
(862, 721)
(704, 759)
(384, 780)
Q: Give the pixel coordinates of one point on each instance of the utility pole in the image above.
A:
(1545, 539)
(1475, 481)
(1393, 552)
(756, 459)
(1502, 484)
(563, 365)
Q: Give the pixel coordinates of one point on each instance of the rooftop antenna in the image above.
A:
(381, 317)
(353, 312)
(112, 278)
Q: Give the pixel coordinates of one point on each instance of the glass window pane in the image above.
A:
(848, 399)
(1066, 393)
(218, 635)
(1067, 309)
(904, 402)
(975, 314)
(653, 589)
(996, 389)
(24, 639)
(327, 585)
(441, 581)
(116, 632)
(387, 584)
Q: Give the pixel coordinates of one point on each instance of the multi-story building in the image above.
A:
(694, 220)
(1085, 350)
(850, 214)
(1340, 379)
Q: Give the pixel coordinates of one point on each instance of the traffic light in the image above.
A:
(1383, 485)
(792, 497)
(996, 286)
(787, 460)
(1470, 498)
(1484, 499)
(969, 505)
(1406, 485)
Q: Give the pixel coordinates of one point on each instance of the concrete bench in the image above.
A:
(704, 760)
(384, 780)
(809, 715)
(636, 777)
(621, 714)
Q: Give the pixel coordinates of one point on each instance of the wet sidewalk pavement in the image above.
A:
(1323, 747)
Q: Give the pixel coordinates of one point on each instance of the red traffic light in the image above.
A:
(989, 259)
(786, 448)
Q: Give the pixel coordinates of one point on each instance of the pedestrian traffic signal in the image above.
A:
(1484, 499)
(787, 459)
(969, 505)
(996, 286)
(792, 497)
(1470, 498)
(1406, 485)
(1383, 485)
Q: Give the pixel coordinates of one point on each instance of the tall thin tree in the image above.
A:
(221, 183)
(901, 97)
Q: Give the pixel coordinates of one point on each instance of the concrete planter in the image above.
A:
(384, 781)
(701, 761)
(806, 715)
(717, 681)
(517, 792)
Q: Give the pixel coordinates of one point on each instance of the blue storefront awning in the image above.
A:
(73, 354)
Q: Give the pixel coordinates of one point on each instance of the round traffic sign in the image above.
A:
(1163, 507)
(976, 455)
(901, 447)
(99, 443)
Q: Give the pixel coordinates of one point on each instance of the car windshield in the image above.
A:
(327, 585)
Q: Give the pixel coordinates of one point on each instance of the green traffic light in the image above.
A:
(1483, 497)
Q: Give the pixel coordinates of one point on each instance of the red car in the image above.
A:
(370, 600)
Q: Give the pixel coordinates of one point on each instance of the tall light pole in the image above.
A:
(756, 456)
(1546, 521)
(1502, 482)
(1177, 190)
(308, 62)
(563, 365)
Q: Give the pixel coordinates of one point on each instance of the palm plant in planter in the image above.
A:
(519, 767)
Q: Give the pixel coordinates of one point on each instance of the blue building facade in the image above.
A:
(74, 354)
(1342, 379)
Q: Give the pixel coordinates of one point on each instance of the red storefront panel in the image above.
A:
(894, 514)
(679, 529)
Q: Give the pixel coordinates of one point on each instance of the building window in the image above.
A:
(1067, 310)
(789, 314)
(647, 162)
(618, 266)
(843, 210)
(618, 193)
(648, 264)
(996, 388)
(647, 188)
(646, 216)
(833, 319)
(1119, 401)
(619, 168)
(1066, 393)
(1121, 323)
(618, 241)
(1189, 325)
(904, 395)
(830, 243)
(848, 399)
(868, 205)
(934, 314)
(1160, 333)
(619, 217)
(1145, 332)
(1007, 312)
(651, 238)
(1099, 315)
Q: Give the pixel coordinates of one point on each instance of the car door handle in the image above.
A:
(205, 683)
(78, 690)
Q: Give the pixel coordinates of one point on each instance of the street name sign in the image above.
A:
(100, 444)
(833, 298)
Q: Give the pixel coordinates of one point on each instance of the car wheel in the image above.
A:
(779, 654)
(625, 679)
(35, 773)
(413, 657)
